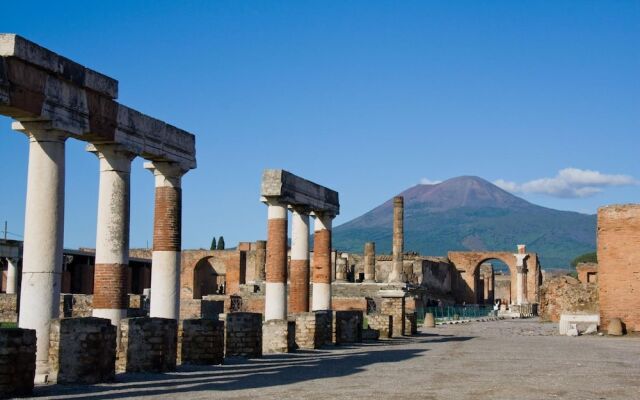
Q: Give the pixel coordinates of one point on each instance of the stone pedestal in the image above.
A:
(347, 327)
(17, 361)
(313, 329)
(200, 342)
(393, 304)
(147, 345)
(82, 350)
(278, 336)
(243, 335)
(429, 321)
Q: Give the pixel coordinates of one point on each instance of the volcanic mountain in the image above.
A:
(469, 213)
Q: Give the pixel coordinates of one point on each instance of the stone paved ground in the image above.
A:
(514, 359)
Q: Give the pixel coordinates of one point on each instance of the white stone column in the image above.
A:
(167, 240)
(12, 275)
(321, 298)
(275, 296)
(299, 268)
(521, 279)
(110, 297)
(43, 235)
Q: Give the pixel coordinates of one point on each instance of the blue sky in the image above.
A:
(366, 97)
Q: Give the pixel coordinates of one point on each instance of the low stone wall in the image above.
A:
(200, 342)
(82, 350)
(147, 345)
(383, 323)
(313, 329)
(566, 295)
(410, 323)
(8, 307)
(278, 336)
(207, 308)
(76, 305)
(394, 306)
(243, 334)
(347, 327)
(17, 361)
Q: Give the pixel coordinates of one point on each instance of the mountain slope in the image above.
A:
(469, 213)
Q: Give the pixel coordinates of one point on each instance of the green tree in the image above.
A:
(587, 257)
(221, 243)
(213, 244)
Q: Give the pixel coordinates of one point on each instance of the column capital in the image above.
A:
(40, 131)
(168, 174)
(520, 258)
(113, 157)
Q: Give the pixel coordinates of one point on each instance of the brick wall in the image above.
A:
(243, 334)
(564, 294)
(82, 350)
(147, 345)
(200, 342)
(587, 272)
(619, 264)
(349, 303)
(17, 361)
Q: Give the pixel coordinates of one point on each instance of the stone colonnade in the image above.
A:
(51, 99)
(282, 191)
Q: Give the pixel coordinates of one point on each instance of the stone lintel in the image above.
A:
(296, 191)
(12, 45)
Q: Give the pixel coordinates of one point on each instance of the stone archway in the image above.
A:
(468, 262)
(206, 279)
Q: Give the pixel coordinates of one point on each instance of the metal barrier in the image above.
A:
(458, 312)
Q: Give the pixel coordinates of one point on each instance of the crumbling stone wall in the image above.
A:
(383, 323)
(200, 342)
(564, 294)
(17, 361)
(587, 272)
(147, 345)
(619, 264)
(82, 350)
(243, 335)
(8, 307)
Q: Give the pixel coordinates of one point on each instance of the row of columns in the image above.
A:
(276, 261)
(44, 233)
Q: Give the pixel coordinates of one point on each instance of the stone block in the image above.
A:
(582, 322)
(147, 345)
(394, 306)
(200, 342)
(429, 321)
(17, 361)
(243, 334)
(313, 329)
(278, 336)
(347, 327)
(615, 327)
(8, 307)
(82, 350)
(410, 323)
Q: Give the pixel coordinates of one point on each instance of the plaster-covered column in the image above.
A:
(110, 298)
(167, 240)
(322, 262)
(275, 297)
(299, 269)
(12, 275)
(397, 274)
(370, 262)
(521, 276)
(43, 235)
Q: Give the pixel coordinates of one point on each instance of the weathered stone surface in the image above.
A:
(394, 306)
(566, 295)
(200, 342)
(243, 334)
(8, 307)
(410, 323)
(582, 322)
(278, 336)
(347, 327)
(82, 350)
(296, 191)
(147, 345)
(313, 329)
(615, 327)
(383, 323)
(429, 321)
(619, 264)
(17, 361)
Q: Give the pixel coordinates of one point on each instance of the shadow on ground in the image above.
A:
(239, 373)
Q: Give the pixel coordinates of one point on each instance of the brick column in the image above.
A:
(261, 259)
(110, 285)
(299, 290)
(322, 262)
(397, 274)
(370, 262)
(167, 238)
(275, 301)
(43, 235)
(12, 275)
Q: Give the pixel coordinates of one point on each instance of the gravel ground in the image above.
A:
(511, 359)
